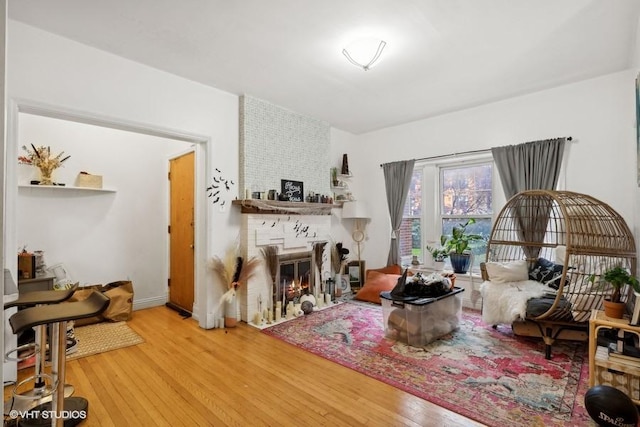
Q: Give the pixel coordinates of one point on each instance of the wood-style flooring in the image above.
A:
(183, 375)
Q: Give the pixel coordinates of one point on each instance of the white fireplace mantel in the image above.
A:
(258, 206)
(290, 234)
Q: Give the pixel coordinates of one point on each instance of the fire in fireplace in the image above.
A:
(295, 277)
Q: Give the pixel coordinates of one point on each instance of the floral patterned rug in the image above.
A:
(487, 375)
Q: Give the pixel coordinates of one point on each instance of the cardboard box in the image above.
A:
(26, 266)
(421, 321)
(89, 181)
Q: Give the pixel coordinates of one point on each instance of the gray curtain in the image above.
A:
(397, 177)
(530, 166)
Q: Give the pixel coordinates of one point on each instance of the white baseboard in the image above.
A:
(140, 304)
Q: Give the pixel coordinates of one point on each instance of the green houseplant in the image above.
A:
(617, 277)
(458, 245)
(438, 254)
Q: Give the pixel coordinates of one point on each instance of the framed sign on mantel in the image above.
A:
(292, 190)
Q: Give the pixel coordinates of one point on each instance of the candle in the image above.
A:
(327, 299)
(290, 310)
(257, 318)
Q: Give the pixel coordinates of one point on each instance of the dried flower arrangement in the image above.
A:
(270, 256)
(41, 158)
(233, 270)
(338, 257)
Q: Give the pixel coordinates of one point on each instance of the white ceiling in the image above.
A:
(441, 55)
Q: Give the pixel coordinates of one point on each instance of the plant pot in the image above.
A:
(614, 310)
(460, 262)
(231, 312)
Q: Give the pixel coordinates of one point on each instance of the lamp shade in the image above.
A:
(356, 210)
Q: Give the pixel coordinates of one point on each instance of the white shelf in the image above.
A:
(343, 187)
(67, 188)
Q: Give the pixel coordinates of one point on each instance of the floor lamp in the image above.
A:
(358, 212)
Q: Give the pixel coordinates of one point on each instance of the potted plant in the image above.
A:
(617, 277)
(458, 246)
(438, 255)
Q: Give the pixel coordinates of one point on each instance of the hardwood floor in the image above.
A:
(183, 375)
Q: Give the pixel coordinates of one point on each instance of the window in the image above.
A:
(441, 196)
(410, 234)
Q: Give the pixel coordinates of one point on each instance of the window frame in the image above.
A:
(431, 209)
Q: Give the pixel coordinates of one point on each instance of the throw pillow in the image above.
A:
(390, 269)
(505, 272)
(376, 283)
(546, 272)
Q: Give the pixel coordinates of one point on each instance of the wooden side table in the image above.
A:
(622, 374)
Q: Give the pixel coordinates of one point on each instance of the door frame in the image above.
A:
(201, 145)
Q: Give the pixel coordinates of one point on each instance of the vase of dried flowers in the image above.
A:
(232, 271)
(46, 174)
(41, 158)
(231, 311)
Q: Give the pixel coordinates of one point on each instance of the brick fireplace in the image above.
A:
(278, 144)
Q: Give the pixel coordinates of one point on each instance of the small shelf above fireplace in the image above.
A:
(258, 206)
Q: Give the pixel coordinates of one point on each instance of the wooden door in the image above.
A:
(181, 232)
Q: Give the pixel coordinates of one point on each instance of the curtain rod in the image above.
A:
(463, 153)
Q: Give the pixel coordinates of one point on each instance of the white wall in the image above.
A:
(47, 69)
(601, 161)
(100, 237)
(343, 142)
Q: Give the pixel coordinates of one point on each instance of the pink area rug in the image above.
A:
(487, 375)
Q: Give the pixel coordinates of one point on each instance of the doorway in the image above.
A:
(181, 232)
(149, 276)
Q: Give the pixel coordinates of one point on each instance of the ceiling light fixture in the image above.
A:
(361, 52)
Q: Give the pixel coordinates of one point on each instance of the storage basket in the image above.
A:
(627, 383)
(89, 181)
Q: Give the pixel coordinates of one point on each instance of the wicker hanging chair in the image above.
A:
(590, 238)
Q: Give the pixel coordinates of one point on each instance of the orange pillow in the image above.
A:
(391, 269)
(376, 283)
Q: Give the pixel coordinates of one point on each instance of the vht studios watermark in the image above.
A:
(48, 415)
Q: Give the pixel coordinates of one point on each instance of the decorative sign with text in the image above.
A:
(292, 190)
